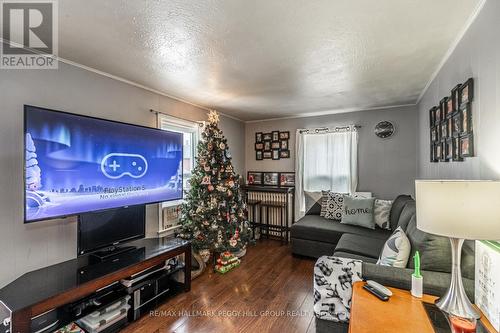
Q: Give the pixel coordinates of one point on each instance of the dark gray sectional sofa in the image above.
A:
(315, 236)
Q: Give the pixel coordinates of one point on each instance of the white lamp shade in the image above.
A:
(459, 209)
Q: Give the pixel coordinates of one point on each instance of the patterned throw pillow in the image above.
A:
(396, 250)
(324, 198)
(313, 202)
(381, 213)
(334, 205)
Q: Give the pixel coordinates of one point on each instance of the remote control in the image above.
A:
(379, 287)
(375, 292)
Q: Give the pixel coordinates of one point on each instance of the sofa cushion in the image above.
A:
(354, 256)
(408, 212)
(360, 245)
(397, 207)
(358, 212)
(313, 202)
(396, 250)
(314, 227)
(435, 251)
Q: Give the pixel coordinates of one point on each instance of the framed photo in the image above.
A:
(456, 125)
(455, 96)
(287, 179)
(434, 134)
(284, 135)
(267, 154)
(449, 130)
(259, 145)
(467, 92)
(456, 150)
(466, 146)
(258, 137)
(276, 135)
(275, 145)
(438, 115)
(439, 151)
(449, 107)
(466, 117)
(444, 129)
(254, 178)
(267, 137)
(434, 157)
(267, 145)
(443, 107)
(276, 154)
(432, 117)
(449, 149)
(271, 178)
(442, 150)
(284, 144)
(284, 153)
(258, 155)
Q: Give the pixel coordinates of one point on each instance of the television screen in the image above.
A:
(76, 164)
(103, 229)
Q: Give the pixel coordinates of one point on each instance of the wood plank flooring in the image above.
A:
(271, 291)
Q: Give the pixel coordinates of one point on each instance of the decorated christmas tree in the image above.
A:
(213, 215)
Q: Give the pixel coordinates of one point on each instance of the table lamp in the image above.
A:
(459, 210)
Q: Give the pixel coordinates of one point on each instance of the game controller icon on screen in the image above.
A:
(117, 165)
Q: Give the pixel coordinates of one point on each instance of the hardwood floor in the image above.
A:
(271, 291)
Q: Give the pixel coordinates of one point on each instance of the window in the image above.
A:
(326, 160)
(190, 131)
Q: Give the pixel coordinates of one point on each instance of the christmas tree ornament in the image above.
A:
(210, 188)
(213, 117)
(206, 168)
(222, 145)
(206, 180)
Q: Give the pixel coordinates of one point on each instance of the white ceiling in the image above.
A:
(267, 58)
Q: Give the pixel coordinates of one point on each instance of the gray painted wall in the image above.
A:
(387, 167)
(478, 56)
(28, 247)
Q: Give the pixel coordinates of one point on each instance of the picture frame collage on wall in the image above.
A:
(277, 179)
(451, 128)
(274, 145)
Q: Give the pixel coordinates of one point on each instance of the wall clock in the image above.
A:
(384, 129)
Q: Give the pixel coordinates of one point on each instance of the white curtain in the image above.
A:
(325, 161)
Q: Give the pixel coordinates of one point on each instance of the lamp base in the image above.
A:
(455, 301)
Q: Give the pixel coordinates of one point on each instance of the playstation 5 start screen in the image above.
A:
(76, 164)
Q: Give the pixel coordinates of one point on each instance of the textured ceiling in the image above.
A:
(267, 58)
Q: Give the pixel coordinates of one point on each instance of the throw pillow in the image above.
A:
(324, 198)
(313, 202)
(334, 204)
(396, 250)
(381, 212)
(358, 212)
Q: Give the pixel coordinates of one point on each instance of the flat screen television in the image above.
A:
(97, 231)
(76, 164)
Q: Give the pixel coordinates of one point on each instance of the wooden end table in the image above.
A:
(401, 313)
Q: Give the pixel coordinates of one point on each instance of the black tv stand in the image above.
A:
(109, 253)
(55, 287)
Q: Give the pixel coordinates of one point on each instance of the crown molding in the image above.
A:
(330, 112)
(453, 46)
(141, 86)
